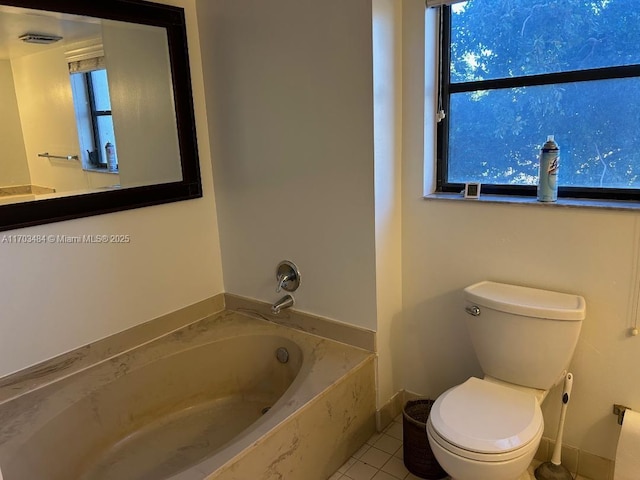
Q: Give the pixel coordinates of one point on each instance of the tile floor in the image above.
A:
(381, 459)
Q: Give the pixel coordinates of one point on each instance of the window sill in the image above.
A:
(99, 170)
(561, 203)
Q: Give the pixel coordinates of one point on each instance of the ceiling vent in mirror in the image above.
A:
(41, 38)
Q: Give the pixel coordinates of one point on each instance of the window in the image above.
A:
(93, 118)
(515, 71)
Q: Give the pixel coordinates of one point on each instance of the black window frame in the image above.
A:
(446, 88)
(95, 113)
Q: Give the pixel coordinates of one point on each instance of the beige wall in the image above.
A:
(387, 89)
(292, 124)
(137, 61)
(142, 104)
(289, 101)
(48, 119)
(14, 169)
(449, 245)
(56, 297)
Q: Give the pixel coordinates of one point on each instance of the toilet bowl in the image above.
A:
(524, 338)
(481, 430)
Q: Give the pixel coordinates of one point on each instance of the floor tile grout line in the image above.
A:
(371, 472)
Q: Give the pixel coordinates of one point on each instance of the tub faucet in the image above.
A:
(285, 302)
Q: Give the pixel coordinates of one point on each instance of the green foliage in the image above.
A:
(495, 135)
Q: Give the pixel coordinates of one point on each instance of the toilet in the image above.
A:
(524, 338)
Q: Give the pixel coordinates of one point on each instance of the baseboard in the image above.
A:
(389, 411)
(393, 407)
(577, 461)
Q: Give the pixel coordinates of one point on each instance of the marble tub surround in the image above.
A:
(324, 327)
(40, 190)
(75, 424)
(15, 190)
(84, 357)
(316, 440)
(24, 190)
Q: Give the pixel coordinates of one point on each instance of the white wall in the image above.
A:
(289, 99)
(56, 297)
(14, 170)
(48, 119)
(144, 118)
(449, 245)
(387, 86)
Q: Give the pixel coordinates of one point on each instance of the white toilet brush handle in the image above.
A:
(566, 395)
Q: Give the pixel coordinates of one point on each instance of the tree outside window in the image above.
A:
(515, 71)
(94, 119)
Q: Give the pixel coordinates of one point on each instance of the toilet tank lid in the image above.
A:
(526, 301)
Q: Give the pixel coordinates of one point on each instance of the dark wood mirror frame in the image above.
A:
(171, 18)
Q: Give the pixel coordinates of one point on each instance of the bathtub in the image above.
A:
(228, 397)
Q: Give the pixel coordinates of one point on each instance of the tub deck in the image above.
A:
(155, 411)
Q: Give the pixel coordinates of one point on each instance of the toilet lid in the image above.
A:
(486, 417)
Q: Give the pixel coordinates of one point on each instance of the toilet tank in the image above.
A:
(523, 335)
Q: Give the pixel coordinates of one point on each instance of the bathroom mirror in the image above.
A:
(97, 112)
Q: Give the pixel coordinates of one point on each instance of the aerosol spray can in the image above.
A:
(110, 151)
(548, 173)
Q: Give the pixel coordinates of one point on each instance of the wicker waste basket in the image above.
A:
(418, 457)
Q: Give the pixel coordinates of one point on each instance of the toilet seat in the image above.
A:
(486, 421)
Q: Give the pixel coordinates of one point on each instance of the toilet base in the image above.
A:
(460, 468)
(526, 475)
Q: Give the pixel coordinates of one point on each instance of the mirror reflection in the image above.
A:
(87, 106)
